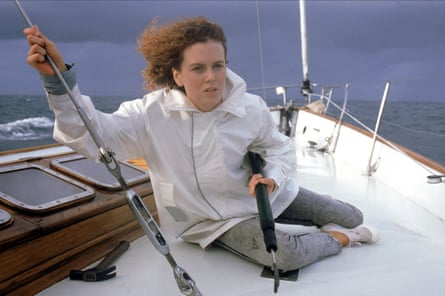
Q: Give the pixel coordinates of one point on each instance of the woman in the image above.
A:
(194, 130)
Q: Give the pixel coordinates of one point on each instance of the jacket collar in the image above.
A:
(233, 97)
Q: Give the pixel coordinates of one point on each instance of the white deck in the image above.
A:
(408, 260)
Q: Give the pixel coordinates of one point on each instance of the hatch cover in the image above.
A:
(96, 173)
(35, 188)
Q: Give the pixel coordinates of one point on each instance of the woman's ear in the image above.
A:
(177, 77)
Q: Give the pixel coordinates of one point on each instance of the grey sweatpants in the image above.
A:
(295, 249)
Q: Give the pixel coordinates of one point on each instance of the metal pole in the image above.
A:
(81, 112)
(369, 170)
(340, 118)
(306, 88)
(303, 32)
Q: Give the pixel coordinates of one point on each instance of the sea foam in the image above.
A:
(27, 129)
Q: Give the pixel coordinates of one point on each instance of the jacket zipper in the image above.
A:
(194, 169)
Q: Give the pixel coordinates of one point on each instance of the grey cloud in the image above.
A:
(374, 25)
(115, 21)
(361, 42)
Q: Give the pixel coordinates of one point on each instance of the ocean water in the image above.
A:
(26, 121)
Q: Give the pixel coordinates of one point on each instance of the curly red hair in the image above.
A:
(163, 47)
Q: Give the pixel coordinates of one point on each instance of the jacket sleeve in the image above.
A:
(277, 149)
(70, 130)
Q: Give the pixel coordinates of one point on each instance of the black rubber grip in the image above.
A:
(263, 204)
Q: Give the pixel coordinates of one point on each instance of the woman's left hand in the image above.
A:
(258, 179)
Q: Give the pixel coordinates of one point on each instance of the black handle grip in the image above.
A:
(264, 210)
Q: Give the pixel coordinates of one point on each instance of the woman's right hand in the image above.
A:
(39, 46)
(258, 179)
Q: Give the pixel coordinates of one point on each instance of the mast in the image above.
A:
(306, 84)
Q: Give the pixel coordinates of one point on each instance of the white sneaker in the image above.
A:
(357, 236)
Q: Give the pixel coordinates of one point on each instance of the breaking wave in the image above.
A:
(27, 129)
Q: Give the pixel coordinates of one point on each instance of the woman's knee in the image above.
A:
(342, 213)
(298, 250)
(355, 219)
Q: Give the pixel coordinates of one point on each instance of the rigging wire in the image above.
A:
(260, 41)
(394, 125)
(389, 143)
(413, 130)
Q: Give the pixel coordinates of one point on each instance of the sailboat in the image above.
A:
(60, 212)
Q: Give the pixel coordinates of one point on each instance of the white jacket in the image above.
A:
(196, 160)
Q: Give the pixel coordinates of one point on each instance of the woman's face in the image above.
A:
(203, 74)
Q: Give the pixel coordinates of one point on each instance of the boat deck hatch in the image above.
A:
(35, 188)
(96, 173)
